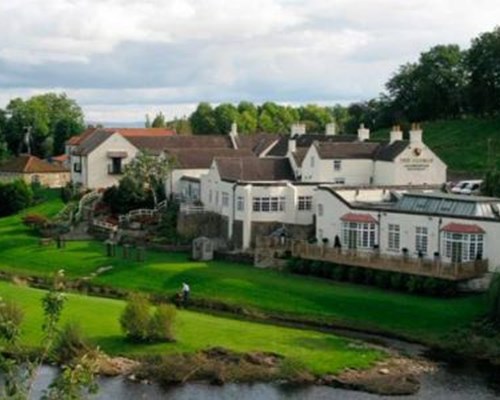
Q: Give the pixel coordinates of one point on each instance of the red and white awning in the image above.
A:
(453, 227)
(360, 218)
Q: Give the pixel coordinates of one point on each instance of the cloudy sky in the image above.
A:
(123, 58)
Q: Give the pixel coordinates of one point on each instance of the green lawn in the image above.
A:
(461, 143)
(264, 290)
(319, 352)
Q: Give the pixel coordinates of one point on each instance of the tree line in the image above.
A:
(445, 82)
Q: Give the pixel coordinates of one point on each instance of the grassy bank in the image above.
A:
(461, 143)
(321, 353)
(262, 290)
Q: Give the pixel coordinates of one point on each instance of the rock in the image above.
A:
(384, 371)
(117, 366)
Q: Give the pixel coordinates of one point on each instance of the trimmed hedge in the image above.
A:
(384, 279)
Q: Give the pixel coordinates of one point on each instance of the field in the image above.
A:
(260, 290)
(461, 143)
(321, 353)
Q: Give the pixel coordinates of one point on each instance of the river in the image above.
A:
(459, 381)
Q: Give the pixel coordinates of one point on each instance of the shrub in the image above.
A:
(398, 281)
(414, 284)
(339, 273)
(383, 279)
(11, 317)
(127, 196)
(70, 343)
(370, 276)
(355, 275)
(14, 197)
(161, 324)
(135, 318)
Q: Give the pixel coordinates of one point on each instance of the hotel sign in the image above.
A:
(415, 163)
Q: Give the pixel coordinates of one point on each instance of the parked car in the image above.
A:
(467, 187)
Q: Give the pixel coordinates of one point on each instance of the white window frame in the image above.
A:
(240, 203)
(339, 181)
(269, 204)
(363, 232)
(337, 165)
(421, 239)
(472, 244)
(304, 203)
(393, 237)
(320, 209)
(225, 199)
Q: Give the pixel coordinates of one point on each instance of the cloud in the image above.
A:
(131, 55)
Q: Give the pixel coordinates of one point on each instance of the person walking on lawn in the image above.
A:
(185, 293)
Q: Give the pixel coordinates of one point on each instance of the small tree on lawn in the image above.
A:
(150, 172)
(135, 318)
(161, 323)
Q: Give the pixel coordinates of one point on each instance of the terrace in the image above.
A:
(436, 268)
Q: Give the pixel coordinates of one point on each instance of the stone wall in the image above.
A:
(207, 224)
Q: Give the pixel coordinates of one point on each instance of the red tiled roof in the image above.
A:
(28, 164)
(61, 158)
(462, 228)
(361, 218)
(141, 132)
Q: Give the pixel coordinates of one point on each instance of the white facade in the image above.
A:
(249, 202)
(422, 234)
(94, 170)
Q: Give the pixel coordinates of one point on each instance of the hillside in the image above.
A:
(461, 143)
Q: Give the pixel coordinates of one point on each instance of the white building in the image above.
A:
(422, 225)
(256, 196)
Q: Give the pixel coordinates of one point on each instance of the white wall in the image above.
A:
(98, 161)
(172, 183)
(411, 169)
(329, 225)
(354, 171)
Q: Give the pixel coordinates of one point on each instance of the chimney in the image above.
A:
(396, 134)
(292, 145)
(298, 129)
(363, 133)
(330, 129)
(415, 133)
(233, 134)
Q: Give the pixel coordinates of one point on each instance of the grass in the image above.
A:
(461, 143)
(320, 352)
(262, 290)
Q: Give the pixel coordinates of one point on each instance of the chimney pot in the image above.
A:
(396, 134)
(330, 129)
(363, 133)
(415, 133)
(298, 129)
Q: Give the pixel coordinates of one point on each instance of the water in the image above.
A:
(447, 383)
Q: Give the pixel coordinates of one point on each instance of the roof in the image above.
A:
(151, 139)
(258, 142)
(60, 158)
(347, 150)
(280, 149)
(253, 169)
(28, 164)
(360, 218)
(299, 155)
(383, 151)
(462, 228)
(202, 158)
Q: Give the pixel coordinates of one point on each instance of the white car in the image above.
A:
(467, 187)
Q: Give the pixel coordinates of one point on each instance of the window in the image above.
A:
(463, 247)
(217, 198)
(115, 168)
(304, 203)
(35, 179)
(320, 209)
(210, 196)
(337, 165)
(421, 239)
(393, 237)
(312, 161)
(269, 204)
(339, 181)
(240, 203)
(225, 199)
(356, 235)
(77, 167)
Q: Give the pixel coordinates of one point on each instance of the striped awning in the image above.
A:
(453, 227)
(361, 218)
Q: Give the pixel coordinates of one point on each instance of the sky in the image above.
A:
(121, 59)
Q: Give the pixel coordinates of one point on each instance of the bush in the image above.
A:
(398, 281)
(127, 196)
(355, 275)
(70, 343)
(135, 318)
(11, 317)
(383, 279)
(161, 323)
(414, 284)
(35, 221)
(14, 197)
(339, 273)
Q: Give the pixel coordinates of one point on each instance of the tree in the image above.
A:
(315, 117)
(159, 121)
(128, 195)
(203, 120)
(161, 323)
(135, 318)
(483, 62)
(225, 114)
(48, 116)
(14, 196)
(150, 172)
